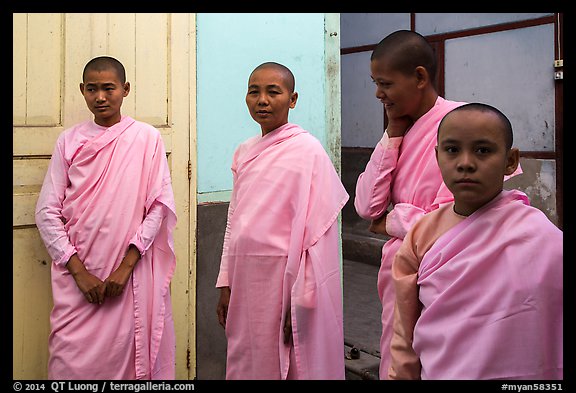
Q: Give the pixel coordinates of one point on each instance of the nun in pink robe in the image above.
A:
(107, 188)
(480, 297)
(402, 173)
(281, 252)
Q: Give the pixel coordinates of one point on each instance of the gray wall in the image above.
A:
(211, 341)
(512, 70)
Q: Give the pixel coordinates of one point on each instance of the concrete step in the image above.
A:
(362, 247)
(363, 366)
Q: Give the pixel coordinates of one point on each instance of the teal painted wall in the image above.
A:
(229, 47)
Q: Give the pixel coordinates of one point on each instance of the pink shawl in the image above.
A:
(114, 179)
(491, 289)
(286, 198)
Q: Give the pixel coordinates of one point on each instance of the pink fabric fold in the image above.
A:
(492, 294)
(281, 251)
(115, 175)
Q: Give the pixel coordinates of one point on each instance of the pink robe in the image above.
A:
(403, 172)
(491, 293)
(281, 251)
(106, 189)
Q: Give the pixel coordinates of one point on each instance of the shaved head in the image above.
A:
(288, 76)
(105, 63)
(506, 126)
(406, 50)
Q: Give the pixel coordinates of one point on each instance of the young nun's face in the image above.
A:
(104, 94)
(473, 158)
(269, 99)
(400, 93)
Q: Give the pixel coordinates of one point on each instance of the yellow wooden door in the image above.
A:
(49, 54)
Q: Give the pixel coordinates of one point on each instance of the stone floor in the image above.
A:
(361, 319)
